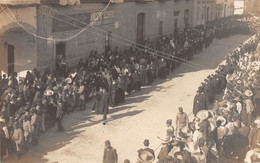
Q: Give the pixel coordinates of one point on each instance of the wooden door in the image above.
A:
(10, 59)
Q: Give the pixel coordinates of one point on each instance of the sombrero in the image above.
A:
(146, 156)
(174, 151)
(2, 120)
(68, 80)
(222, 119)
(257, 121)
(212, 123)
(73, 75)
(203, 114)
(192, 147)
(81, 89)
(248, 93)
(48, 93)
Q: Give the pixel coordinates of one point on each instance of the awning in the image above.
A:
(19, 2)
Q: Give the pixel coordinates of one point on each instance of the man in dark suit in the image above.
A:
(110, 154)
(197, 102)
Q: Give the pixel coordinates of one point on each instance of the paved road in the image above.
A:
(143, 116)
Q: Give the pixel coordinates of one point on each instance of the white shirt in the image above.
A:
(239, 107)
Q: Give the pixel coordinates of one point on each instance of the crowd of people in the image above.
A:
(32, 105)
(226, 127)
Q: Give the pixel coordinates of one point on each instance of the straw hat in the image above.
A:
(192, 147)
(222, 119)
(81, 89)
(212, 123)
(203, 114)
(2, 120)
(68, 80)
(73, 75)
(257, 121)
(146, 156)
(248, 93)
(48, 93)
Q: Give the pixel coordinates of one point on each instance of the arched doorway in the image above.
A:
(18, 51)
(140, 27)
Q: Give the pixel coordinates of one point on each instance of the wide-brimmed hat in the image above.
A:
(222, 119)
(248, 93)
(175, 149)
(48, 93)
(145, 156)
(257, 121)
(212, 123)
(2, 120)
(73, 75)
(68, 80)
(192, 147)
(81, 89)
(202, 114)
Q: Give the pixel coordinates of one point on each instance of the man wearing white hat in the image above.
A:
(146, 151)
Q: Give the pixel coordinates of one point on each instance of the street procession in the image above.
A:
(187, 95)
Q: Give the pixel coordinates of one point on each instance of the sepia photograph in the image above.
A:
(130, 81)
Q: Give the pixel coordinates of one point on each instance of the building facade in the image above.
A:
(36, 34)
(252, 6)
(204, 11)
(225, 8)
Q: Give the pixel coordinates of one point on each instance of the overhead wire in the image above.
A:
(121, 41)
(61, 40)
(147, 47)
(127, 44)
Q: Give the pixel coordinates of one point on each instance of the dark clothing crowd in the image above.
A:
(226, 124)
(36, 103)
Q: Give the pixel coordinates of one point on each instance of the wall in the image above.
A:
(24, 50)
(21, 14)
(199, 15)
(229, 8)
(123, 24)
(25, 57)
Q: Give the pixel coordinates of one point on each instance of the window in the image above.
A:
(161, 28)
(202, 12)
(108, 39)
(198, 9)
(176, 13)
(186, 16)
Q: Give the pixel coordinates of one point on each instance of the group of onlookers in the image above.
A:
(226, 127)
(31, 105)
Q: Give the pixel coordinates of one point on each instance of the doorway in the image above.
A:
(108, 39)
(140, 27)
(60, 54)
(60, 50)
(10, 59)
(160, 28)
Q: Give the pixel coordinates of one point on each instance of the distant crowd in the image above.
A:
(226, 127)
(32, 105)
